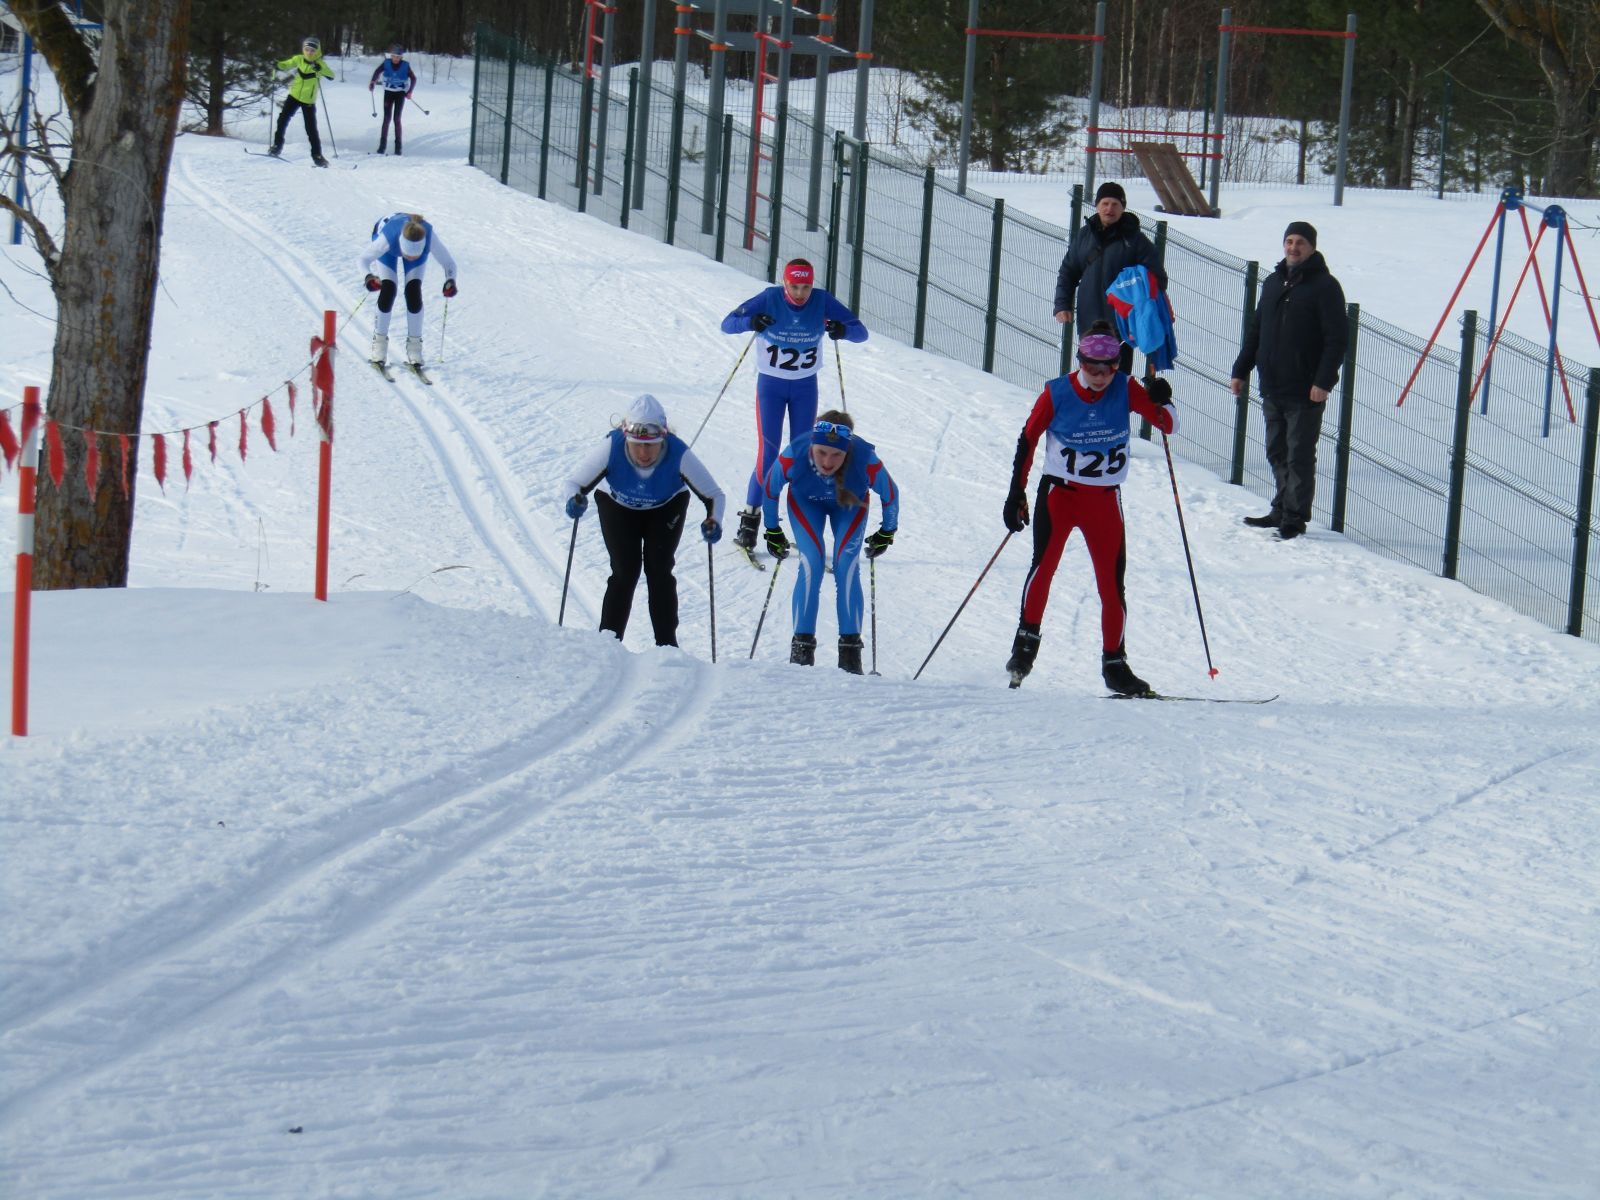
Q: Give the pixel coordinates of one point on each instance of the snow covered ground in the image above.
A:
(416, 894)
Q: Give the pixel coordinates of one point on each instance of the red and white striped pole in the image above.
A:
(322, 377)
(28, 462)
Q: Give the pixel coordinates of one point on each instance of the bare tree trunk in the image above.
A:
(125, 114)
(1410, 115)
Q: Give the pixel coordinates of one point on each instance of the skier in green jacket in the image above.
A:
(307, 66)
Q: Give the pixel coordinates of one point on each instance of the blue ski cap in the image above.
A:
(397, 50)
(646, 420)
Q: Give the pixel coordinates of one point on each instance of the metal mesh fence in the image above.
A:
(961, 277)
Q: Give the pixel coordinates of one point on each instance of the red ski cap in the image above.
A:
(798, 273)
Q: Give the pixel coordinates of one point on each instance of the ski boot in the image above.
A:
(414, 352)
(1024, 649)
(275, 151)
(380, 349)
(1119, 677)
(745, 538)
(850, 653)
(319, 160)
(803, 650)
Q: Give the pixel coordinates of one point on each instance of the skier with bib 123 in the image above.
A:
(309, 70)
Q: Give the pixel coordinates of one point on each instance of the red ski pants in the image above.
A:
(1058, 509)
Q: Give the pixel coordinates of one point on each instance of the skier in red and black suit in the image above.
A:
(1085, 419)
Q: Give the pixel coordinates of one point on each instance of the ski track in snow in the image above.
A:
(380, 859)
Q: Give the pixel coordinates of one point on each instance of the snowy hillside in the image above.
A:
(415, 894)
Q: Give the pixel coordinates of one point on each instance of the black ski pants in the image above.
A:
(1292, 432)
(642, 538)
(393, 103)
(309, 112)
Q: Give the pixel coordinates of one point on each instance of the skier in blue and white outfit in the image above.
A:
(399, 81)
(790, 320)
(829, 472)
(647, 473)
(402, 244)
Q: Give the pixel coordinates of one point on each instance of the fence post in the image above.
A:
(722, 185)
(1458, 446)
(477, 74)
(585, 128)
(322, 376)
(1241, 409)
(775, 230)
(923, 255)
(858, 223)
(991, 316)
(836, 196)
(22, 611)
(627, 148)
(1347, 409)
(511, 92)
(544, 140)
(1072, 231)
(1581, 534)
(675, 165)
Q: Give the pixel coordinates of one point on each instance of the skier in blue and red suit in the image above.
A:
(1085, 420)
(789, 320)
(829, 472)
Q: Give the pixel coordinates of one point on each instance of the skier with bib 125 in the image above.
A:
(309, 70)
(394, 261)
(789, 320)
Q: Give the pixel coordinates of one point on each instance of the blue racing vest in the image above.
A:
(636, 490)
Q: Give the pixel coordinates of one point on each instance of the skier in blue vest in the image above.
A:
(402, 244)
(648, 473)
(829, 471)
(399, 81)
(1085, 421)
(790, 320)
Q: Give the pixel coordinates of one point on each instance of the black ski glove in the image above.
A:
(834, 329)
(373, 283)
(760, 321)
(1016, 510)
(449, 288)
(1160, 390)
(879, 542)
(778, 544)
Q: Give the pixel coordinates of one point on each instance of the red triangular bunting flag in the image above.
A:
(291, 407)
(211, 428)
(9, 446)
(268, 426)
(58, 457)
(244, 432)
(91, 462)
(122, 445)
(158, 459)
(188, 462)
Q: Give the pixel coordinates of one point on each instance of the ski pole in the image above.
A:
(776, 567)
(970, 594)
(571, 546)
(872, 574)
(1172, 475)
(711, 583)
(838, 361)
(414, 104)
(372, 99)
(442, 323)
(725, 384)
(327, 120)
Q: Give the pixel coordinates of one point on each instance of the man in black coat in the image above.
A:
(1296, 341)
(1108, 240)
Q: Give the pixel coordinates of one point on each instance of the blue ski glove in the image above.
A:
(576, 505)
(778, 543)
(711, 531)
(879, 542)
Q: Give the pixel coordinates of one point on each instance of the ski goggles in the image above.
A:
(1100, 364)
(830, 431)
(636, 431)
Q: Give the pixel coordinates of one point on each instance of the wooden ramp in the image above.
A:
(1164, 167)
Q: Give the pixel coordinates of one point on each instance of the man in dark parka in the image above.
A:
(1296, 341)
(1108, 240)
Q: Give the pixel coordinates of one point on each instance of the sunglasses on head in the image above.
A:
(636, 432)
(831, 430)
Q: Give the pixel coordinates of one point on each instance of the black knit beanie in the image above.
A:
(1305, 229)
(1114, 190)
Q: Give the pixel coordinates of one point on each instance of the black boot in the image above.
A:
(1024, 649)
(803, 650)
(1119, 677)
(746, 537)
(1269, 520)
(850, 653)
